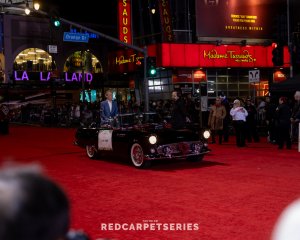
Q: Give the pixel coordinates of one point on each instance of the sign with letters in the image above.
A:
(52, 48)
(76, 37)
(254, 76)
(105, 140)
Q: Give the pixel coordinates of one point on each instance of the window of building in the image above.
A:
(91, 63)
(35, 60)
(235, 83)
(162, 83)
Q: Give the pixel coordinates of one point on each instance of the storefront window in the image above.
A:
(234, 83)
(232, 94)
(34, 60)
(233, 86)
(85, 60)
(222, 79)
(244, 87)
(222, 87)
(244, 79)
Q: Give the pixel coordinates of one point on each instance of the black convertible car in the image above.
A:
(143, 138)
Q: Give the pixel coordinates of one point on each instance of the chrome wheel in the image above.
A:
(91, 151)
(137, 155)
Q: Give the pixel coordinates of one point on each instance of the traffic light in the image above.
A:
(151, 66)
(56, 22)
(277, 55)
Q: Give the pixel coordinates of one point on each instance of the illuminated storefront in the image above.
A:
(37, 60)
(214, 68)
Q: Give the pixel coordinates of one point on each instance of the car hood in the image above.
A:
(169, 135)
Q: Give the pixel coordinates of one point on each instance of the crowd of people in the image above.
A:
(281, 120)
(244, 117)
(47, 217)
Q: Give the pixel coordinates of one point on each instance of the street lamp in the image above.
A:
(153, 10)
(36, 6)
(24, 5)
(27, 10)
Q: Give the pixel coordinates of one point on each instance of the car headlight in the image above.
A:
(206, 134)
(152, 139)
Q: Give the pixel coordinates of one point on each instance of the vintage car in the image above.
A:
(143, 138)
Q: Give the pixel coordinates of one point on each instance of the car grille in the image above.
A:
(180, 149)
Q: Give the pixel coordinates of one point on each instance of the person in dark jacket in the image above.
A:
(178, 112)
(251, 123)
(109, 109)
(270, 119)
(227, 119)
(283, 115)
(4, 119)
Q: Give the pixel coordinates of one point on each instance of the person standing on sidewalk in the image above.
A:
(4, 119)
(283, 113)
(179, 116)
(239, 115)
(215, 120)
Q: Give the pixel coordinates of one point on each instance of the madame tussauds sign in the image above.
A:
(243, 56)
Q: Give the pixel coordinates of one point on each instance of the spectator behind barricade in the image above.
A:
(192, 113)
(87, 115)
(295, 116)
(109, 109)
(4, 119)
(251, 122)
(283, 115)
(239, 114)
(179, 116)
(215, 120)
(32, 206)
(77, 111)
(270, 120)
(261, 111)
(288, 224)
(227, 119)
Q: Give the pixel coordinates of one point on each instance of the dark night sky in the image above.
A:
(100, 12)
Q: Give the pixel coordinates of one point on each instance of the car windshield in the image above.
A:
(129, 119)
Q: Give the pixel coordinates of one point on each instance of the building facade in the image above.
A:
(224, 42)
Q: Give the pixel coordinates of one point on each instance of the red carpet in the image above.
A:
(234, 194)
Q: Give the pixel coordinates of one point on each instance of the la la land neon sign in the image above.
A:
(46, 76)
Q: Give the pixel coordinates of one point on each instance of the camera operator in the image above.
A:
(33, 207)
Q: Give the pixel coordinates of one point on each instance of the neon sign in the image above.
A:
(245, 56)
(166, 22)
(46, 76)
(23, 76)
(77, 77)
(131, 59)
(125, 21)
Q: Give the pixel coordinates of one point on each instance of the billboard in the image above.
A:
(237, 18)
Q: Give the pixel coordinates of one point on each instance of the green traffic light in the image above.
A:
(56, 23)
(152, 71)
